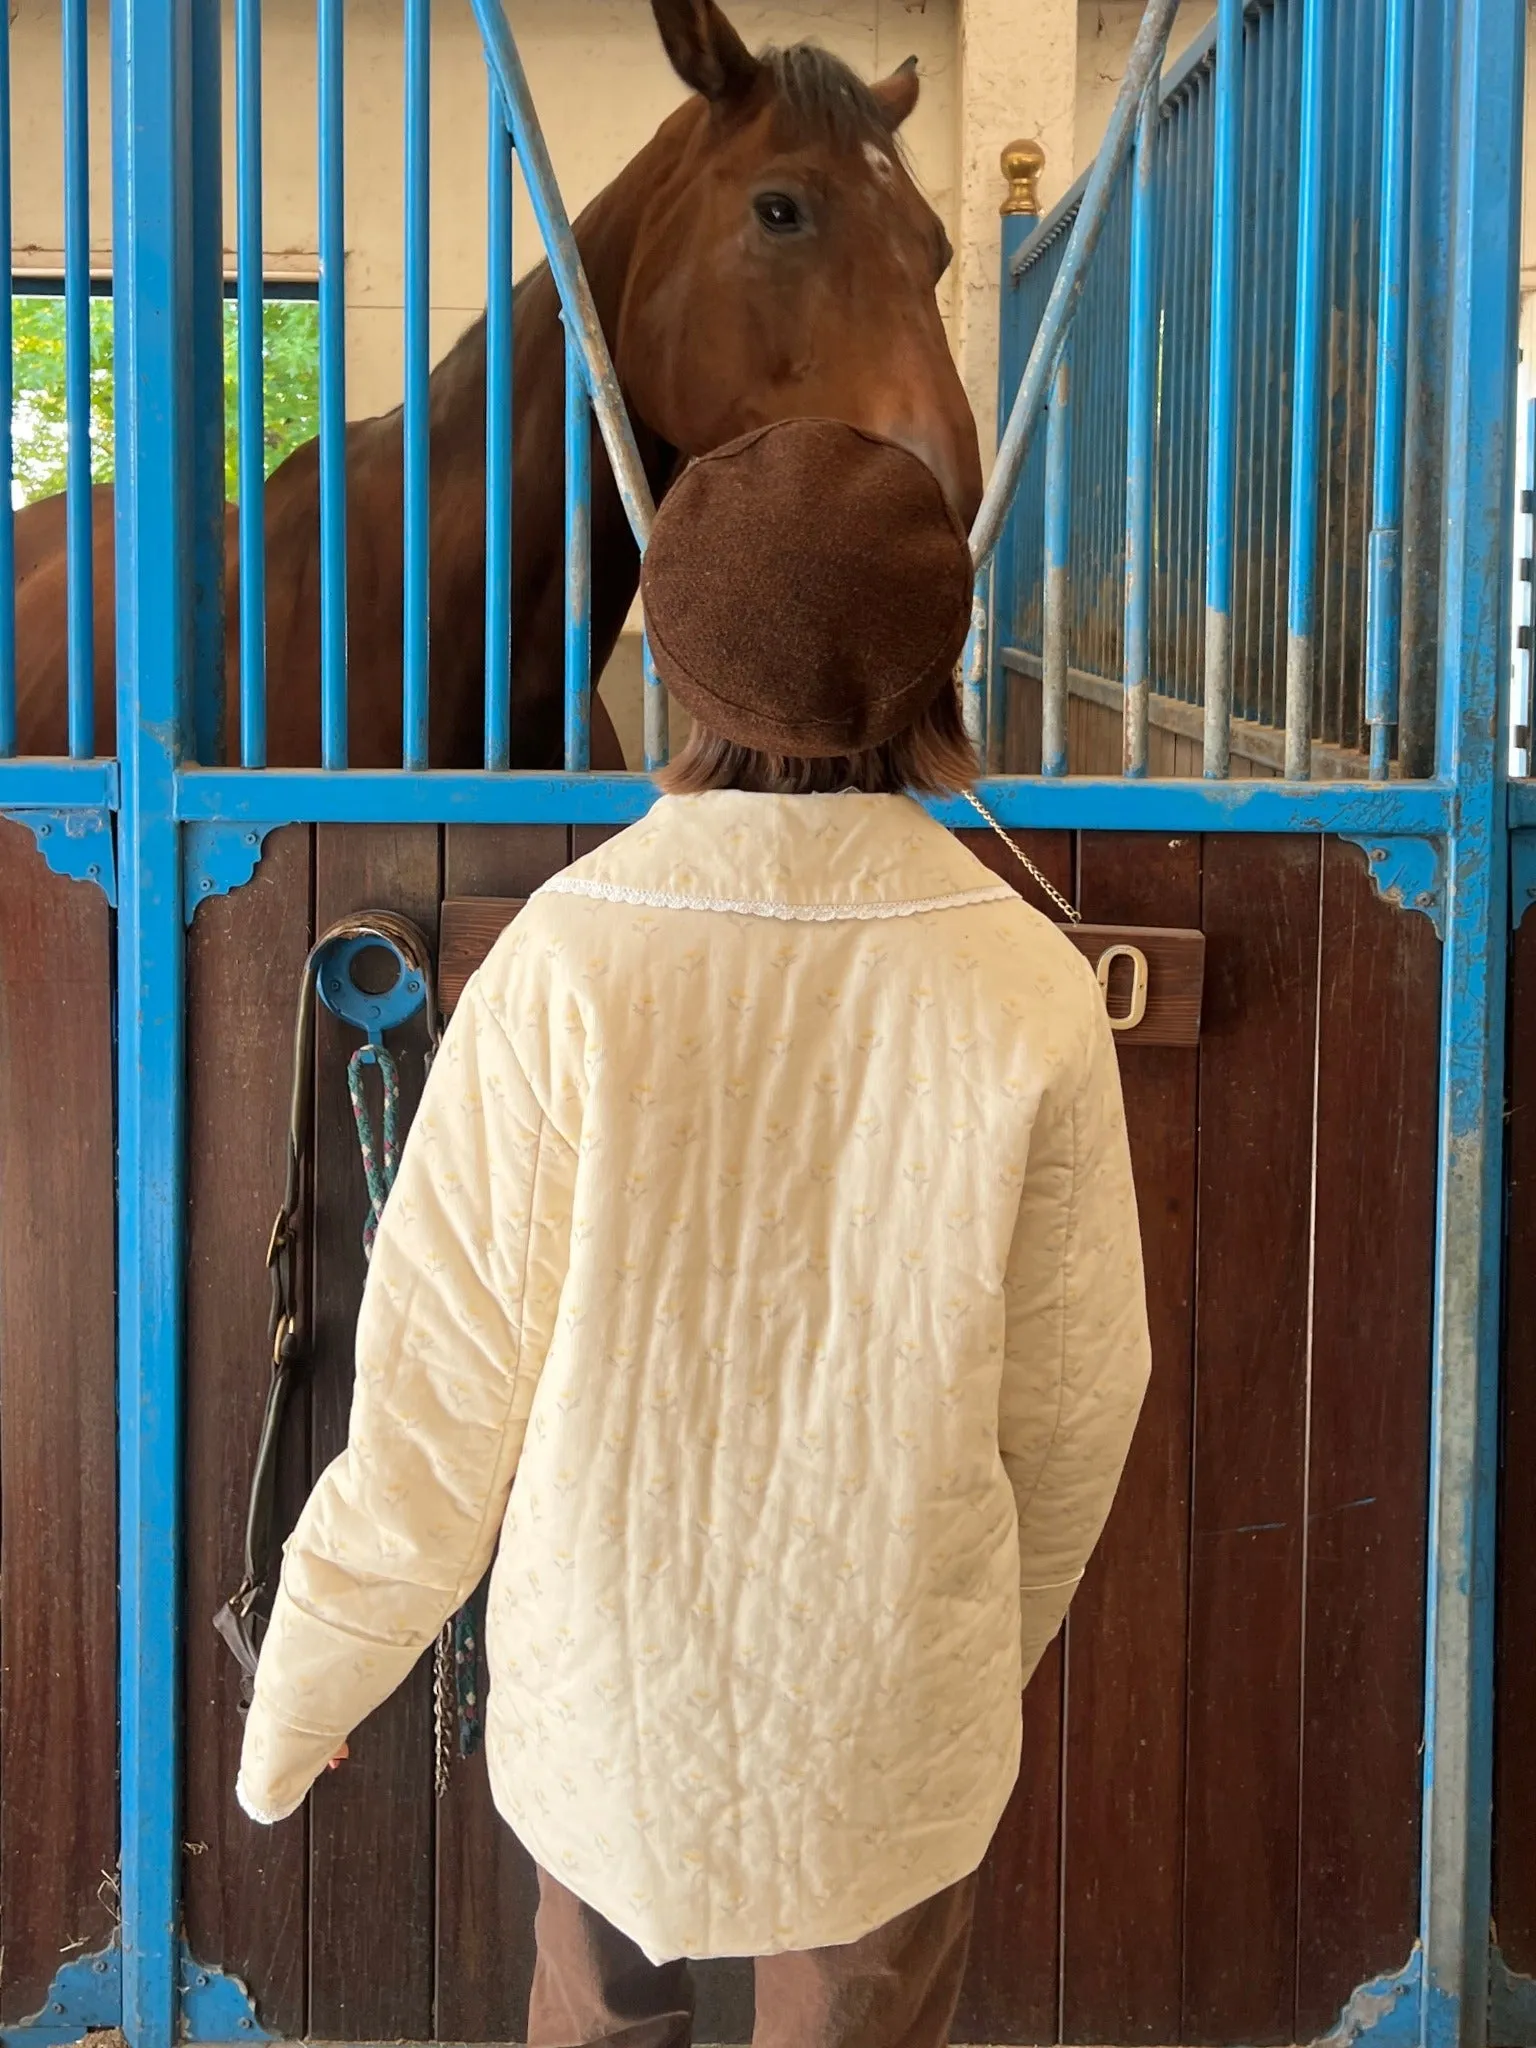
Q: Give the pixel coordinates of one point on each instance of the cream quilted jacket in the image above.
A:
(763, 1275)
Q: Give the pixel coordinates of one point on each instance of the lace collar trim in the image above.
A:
(787, 913)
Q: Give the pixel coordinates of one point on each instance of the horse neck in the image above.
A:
(605, 235)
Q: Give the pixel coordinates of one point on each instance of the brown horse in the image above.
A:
(765, 256)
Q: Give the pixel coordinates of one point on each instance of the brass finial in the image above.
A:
(1022, 164)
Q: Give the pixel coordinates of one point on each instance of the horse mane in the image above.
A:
(827, 96)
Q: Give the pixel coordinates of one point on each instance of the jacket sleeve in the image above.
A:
(1076, 1348)
(456, 1319)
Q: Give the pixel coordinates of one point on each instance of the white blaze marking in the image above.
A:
(879, 162)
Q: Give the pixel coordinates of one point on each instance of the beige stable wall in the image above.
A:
(1106, 30)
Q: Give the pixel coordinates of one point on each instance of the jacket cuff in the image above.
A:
(257, 1813)
(278, 1765)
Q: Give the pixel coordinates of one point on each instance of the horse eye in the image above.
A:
(779, 214)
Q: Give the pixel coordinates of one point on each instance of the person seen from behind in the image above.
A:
(762, 1288)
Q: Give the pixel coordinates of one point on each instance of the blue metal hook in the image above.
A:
(370, 1011)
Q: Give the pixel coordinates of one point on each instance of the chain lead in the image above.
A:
(1068, 910)
(442, 1708)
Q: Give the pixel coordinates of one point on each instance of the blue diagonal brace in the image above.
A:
(76, 843)
(216, 860)
(85, 1996)
(1409, 873)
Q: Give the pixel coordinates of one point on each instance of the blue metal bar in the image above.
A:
(208, 718)
(498, 437)
(153, 308)
(1178, 79)
(251, 385)
(565, 267)
(1272, 308)
(1146, 55)
(1383, 618)
(1288, 117)
(578, 560)
(416, 651)
(658, 739)
(1220, 405)
(1176, 453)
(333, 390)
(48, 785)
(1424, 454)
(1140, 428)
(77, 378)
(1478, 527)
(1016, 228)
(1162, 465)
(7, 380)
(1420, 810)
(1307, 391)
(1247, 358)
(1056, 635)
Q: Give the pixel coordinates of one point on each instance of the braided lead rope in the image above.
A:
(1068, 910)
(381, 1155)
(455, 1692)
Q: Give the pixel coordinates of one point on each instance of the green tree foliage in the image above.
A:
(37, 413)
(290, 346)
(290, 349)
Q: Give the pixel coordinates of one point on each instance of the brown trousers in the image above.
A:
(896, 1988)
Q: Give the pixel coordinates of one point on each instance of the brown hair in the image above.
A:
(932, 757)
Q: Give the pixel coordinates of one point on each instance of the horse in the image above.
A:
(767, 255)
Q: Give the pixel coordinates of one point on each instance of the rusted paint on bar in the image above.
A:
(1140, 431)
(973, 670)
(1058, 531)
(1226, 202)
(1218, 694)
(1306, 416)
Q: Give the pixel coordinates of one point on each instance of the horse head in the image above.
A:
(785, 263)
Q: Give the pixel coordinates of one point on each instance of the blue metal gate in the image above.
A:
(1239, 565)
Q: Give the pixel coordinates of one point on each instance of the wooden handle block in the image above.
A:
(1152, 977)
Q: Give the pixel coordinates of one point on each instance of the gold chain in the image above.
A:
(444, 1700)
(1072, 914)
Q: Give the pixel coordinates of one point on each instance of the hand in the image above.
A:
(339, 1758)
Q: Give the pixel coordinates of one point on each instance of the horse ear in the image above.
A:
(705, 50)
(896, 96)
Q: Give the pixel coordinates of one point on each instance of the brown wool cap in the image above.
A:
(807, 589)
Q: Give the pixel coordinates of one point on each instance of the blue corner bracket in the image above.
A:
(1384, 2011)
(215, 2006)
(85, 1996)
(1522, 875)
(1409, 873)
(218, 859)
(76, 843)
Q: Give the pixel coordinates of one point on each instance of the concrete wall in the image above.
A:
(1105, 31)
